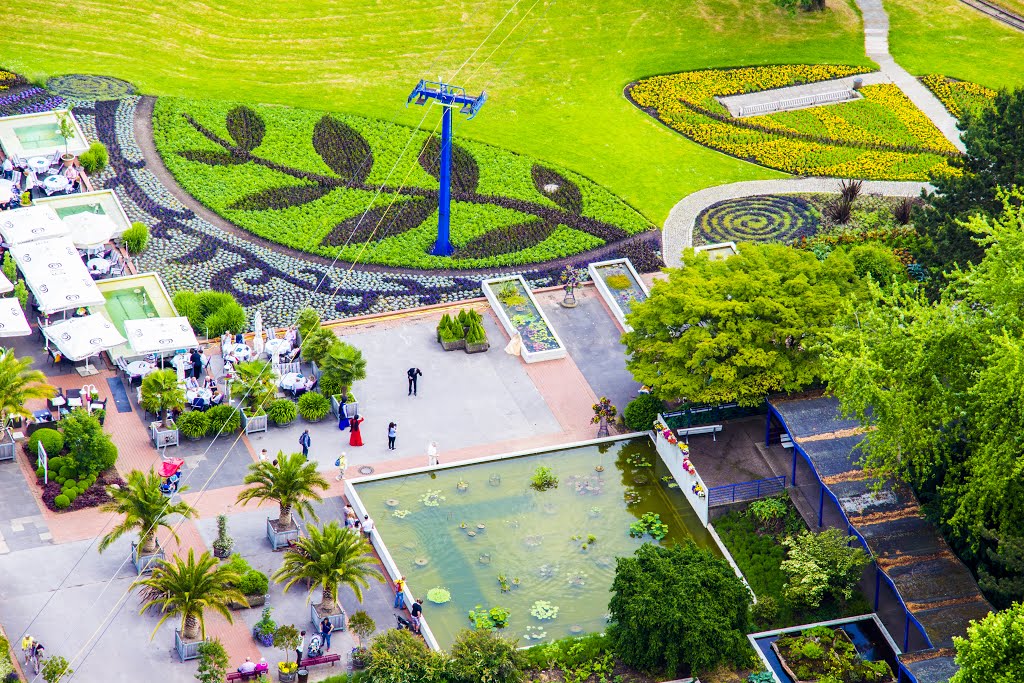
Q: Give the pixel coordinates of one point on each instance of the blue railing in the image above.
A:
(747, 490)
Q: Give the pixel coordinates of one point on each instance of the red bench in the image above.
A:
(239, 676)
(322, 659)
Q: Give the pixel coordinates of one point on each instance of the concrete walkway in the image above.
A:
(876, 45)
(677, 234)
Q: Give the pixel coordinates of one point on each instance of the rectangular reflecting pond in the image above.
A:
(463, 527)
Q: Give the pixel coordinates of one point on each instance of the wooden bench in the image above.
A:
(322, 659)
(786, 441)
(239, 676)
(703, 429)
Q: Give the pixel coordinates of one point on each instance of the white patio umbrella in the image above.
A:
(5, 284)
(12, 319)
(30, 224)
(159, 335)
(257, 339)
(55, 273)
(81, 338)
(90, 230)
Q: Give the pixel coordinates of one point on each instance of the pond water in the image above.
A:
(461, 528)
(39, 136)
(516, 303)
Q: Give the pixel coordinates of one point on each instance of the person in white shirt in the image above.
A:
(248, 666)
(8, 168)
(191, 384)
(367, 526)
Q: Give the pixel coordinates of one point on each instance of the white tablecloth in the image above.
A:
(99, 265)
(202, 393)
(291, 380)
(6, 191)
(56, 183)
(140, 368)
(239, 352)
(278, 346)
(39, 164)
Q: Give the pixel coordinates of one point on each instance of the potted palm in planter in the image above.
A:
(20, 384)
(294, 484)
(254, 382)
(222, 546)
(363, 626)
(187, 588)
(161, 394)
(282, 412)
(329, 558)
(314, 406)
(143, 509)
(342, 366)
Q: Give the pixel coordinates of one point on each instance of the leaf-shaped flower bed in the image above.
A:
(354, 188)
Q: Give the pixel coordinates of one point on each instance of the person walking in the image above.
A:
(417, 613)
(350, 515)
(305, 442)
(432, 460)
(301, 649)
(28, 644)
(400, 593)
(392, 435)
(413, 373)
(341, 463)
(325, 632)
(263, 455)
(355, 436)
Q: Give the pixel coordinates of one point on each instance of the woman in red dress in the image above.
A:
(356, 438)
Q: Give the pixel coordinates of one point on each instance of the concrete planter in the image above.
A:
(337, 620)
(257, 423)
(620, 301)
(456, 345)
(477, 348)
(254, 601)
(163, 437)
(145, 563)
(524, 318)
(279, 538)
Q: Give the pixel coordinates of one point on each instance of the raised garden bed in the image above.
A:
(520, 313)
(821, 651)
(619, 285)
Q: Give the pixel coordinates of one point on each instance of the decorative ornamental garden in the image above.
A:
(959, 97)
(880, 136)
(304, 178)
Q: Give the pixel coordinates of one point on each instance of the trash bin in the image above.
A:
(303, 676)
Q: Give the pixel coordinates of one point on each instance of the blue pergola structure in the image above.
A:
(450, 97)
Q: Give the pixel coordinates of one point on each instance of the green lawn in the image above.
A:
(948, 37)
(555, 86)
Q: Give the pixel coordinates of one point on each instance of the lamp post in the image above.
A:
(450, 97)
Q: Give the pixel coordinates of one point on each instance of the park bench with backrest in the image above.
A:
(703, 429)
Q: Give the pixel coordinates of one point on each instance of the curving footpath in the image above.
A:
(677, 234)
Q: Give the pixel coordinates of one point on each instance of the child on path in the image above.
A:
(341, 463)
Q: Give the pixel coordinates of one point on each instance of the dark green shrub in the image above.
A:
(211, 314)
(641, 413)
(88, 445)
(193, 424)
(55, 463)
(224, 420)
(398, 656)
(479, 655)
(40, 472)
(876, 260)
(282, 411)
(229, 317)
(66, 471)
(62, 502)
(70, 494)
(254, 583)
(307, 320)
(765, 611)
(94, 159)
(314, 406)
(52, 440)
(136, 238)
(329, 386)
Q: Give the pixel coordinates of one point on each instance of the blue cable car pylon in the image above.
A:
(450, 97)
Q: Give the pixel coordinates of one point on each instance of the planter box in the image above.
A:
(254, 601)
(163, 437)
(619, 300)
(144, 563)
(337, 620)
(477, 348)
(540, 341)
(7, 445)
(456, 345)
(254, 424)
(351, 406)
(785, 665)
(186, 649)
(279, 538)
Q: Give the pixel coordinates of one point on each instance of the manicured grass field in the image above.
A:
(948, 37)
(555, 85)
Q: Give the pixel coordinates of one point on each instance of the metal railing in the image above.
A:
(744, 491)
(798, 102)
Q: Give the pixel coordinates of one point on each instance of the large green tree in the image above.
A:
(941, 383)
(822, 565)
(677, 610)
(143, 509)
(993, 651)
(740, 328)
(293, 483)
(994, 138)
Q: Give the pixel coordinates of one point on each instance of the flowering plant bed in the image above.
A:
(619, 285)
(959, 97)
(883, 135)
(519, 313)
(309, 180)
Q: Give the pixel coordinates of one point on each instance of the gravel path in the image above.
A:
(677, 234)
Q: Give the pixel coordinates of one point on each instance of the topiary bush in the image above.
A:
(641, 412)
(254, 583)
(62, 502)
(282, 411)
(94, 159)
(314, 406)
(224, 419)
(53, 442)
(136, 238)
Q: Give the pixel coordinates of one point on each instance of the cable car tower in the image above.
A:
(450, 97)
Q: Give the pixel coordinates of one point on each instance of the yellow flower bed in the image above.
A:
(959, 97)
(6, 78)
(848, 139)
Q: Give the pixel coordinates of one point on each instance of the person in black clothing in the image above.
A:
(197, 363)
(417, 612)
(413, 373)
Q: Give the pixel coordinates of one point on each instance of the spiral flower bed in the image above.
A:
(89, 88)
(766, 218)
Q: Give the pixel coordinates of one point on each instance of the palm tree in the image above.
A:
(161, 393)
(292, 484)
(328, 559)
(189, 588)
(18, 385)
(254, 382)
(143, 508)
(344, 364)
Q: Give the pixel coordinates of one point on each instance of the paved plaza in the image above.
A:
(78, 602)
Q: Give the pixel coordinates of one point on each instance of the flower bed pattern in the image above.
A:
(882, 136)
(304, 178)
(762, 218)
(30, 100)
(959, 97)
(81, 87)
(519, 313)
